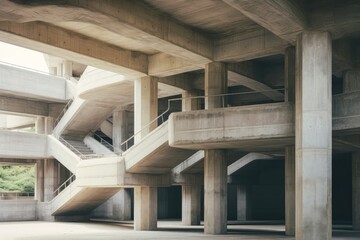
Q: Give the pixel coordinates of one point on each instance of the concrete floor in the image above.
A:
(167, 230)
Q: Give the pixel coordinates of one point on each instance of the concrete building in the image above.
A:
(210, 110)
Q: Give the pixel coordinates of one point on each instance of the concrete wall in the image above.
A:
(23, 145)
(230, 127)
(346, 111)
(27, 83)
(20, 210)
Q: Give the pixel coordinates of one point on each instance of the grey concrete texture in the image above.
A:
(167, 230)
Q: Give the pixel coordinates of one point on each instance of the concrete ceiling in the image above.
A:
(163, 38)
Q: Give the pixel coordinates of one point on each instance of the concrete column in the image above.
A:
(52, 70)
(215, 173)
(191, 204)
(241, 202)
(356, 190)
(145, 106)
(50, 179)
(190, 102)
(313, 133)
(290, 190)
(39, 184)
(215, 84)
(120, 129)
(59, 70)
(122, 205)
(40, 126)
(67, 69)
(289, 76)
(145, 208)
(49, 125)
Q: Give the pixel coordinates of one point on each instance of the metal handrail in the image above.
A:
(103, 141)
(17, 195)
(62, 113)
(65, 184)
(125, 144)
(80, 154)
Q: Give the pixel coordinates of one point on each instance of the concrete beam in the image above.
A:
(255, 85)
(164, 65)
(248, 158)
(128, 18)
(233, 127)
(56, 41)
(189, 162)
(33, 146)
(282, 17)
(247, 46)
(25, 107)
(21, 82)
(340, 18)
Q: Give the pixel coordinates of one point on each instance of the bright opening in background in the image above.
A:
(23, 57)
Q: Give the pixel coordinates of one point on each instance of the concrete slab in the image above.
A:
(124, 230)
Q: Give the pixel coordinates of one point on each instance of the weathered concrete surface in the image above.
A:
(118, 207)
(290, 190)
(145, 208)
(346, 113)
(215, 192)
(75, 200)
(23, 107)
(191, 204)
(25, 83)
(153, 153)
(110, 172)
(62, 153)
(246, 127)
(313, 142)
(18, 210)
(33, 146)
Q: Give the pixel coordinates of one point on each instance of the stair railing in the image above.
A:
(102, 141)
(224, 103)
(77, 152)
(62, 113)
(65, 184)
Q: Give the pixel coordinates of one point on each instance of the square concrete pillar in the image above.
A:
(50, 179)
(215, 84)
(290, 190)
(40, 126)
(39, 183)
(215, 179)
(67, 69)
(241, 202)
(356, 190)
(190, 101)
(145, 106)
(191, 204)
(120, 129)
(145, 208)
(289, 74)
(313, 135)
(122, 205)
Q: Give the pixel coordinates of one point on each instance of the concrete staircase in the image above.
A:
(76, 145)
